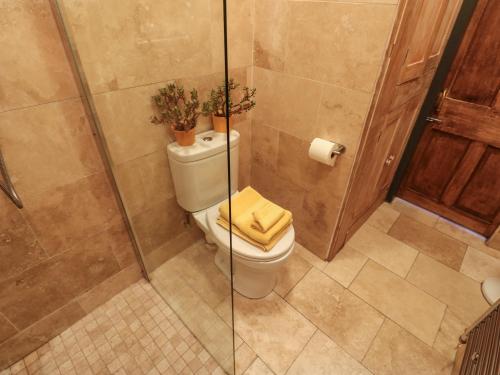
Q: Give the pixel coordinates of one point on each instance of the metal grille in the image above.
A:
(482, 351)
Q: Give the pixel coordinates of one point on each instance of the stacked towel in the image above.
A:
(255, 219)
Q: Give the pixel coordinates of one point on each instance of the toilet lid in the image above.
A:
(245, 249)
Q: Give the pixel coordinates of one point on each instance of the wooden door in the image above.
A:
(455, 171)
(416, 45)
(426, 27)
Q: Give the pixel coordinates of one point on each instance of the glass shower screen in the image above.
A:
(153, 77)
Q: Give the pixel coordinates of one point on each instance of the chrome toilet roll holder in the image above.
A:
(339, 149)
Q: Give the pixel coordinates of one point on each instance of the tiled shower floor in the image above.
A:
(133, 333)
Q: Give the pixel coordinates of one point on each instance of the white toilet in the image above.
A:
(200, 179)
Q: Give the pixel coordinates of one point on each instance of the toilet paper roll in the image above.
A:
(323, 151)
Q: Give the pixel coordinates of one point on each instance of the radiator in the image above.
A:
(479, 349)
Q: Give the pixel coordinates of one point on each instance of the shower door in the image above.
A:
(126, 52)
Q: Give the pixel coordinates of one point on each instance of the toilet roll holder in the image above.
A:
(338, 149)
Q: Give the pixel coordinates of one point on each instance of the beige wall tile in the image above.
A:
(34, 66)
(385, 250)
(6, 329)
(158, 224)
(396, 298)
(461, 294)
(125, 118)
(62, 217)
(18, 245)
(479, 266)
(341, 117)
(383, 218)
(348, 54)
(240, 16)
(285, 102)
(38, 334)
(449, 334)
(271, 29)
(346, 265)
(172, 247)
(322, 356)
(245, 156)
(397, 352)
(265, 145)
(131, 185)
(291, 273)
(285, 193)
(348, 320)
(129, 44)
(48, 146)
(270, 323)
(415, 212)
(42, 289)
(429, 241)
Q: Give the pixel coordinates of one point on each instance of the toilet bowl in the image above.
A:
(254, 270)
(200, 179)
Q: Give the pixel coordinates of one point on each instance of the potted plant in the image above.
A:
(175, 109)
(216, 105)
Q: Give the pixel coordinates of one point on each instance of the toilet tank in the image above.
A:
(199, 171)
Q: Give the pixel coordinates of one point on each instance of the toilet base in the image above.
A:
(251, 282)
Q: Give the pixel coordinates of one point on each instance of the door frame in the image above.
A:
(449, 53)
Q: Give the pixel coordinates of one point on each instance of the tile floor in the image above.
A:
(394, 301)
(135, 332)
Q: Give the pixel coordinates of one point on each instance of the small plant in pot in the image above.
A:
(216, 105)
(178, 111)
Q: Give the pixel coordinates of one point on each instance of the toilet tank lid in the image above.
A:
(206, 144)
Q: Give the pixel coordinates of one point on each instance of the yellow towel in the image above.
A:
(223, 223)
(240, 203)
(267, 216)
(243, 206)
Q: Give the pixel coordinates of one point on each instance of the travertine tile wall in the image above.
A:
(129, 50)
(316, 64)
(67, 250)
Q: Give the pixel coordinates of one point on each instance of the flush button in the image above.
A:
(207, 139)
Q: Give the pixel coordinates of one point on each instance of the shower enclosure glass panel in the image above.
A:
(127, 52)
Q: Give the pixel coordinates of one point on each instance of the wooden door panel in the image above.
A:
(427, 26)
(407, 116)
(439, 158)
(443, 33)
(456, 168)
(464, 171)
(481, 195)
(377, 151)
(478, 78)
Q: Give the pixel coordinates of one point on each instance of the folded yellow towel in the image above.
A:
(244, 200)
(266, 216)
(245, 220)
(223, 223)
(243, 207)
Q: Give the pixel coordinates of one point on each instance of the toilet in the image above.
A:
(200, 179)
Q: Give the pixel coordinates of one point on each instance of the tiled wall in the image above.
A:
(129, 50)
(67, 250)
(316, 64)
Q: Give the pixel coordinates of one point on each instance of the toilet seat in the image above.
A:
(244, 249)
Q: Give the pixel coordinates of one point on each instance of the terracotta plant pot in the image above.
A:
(184, 138)
(219, 123)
